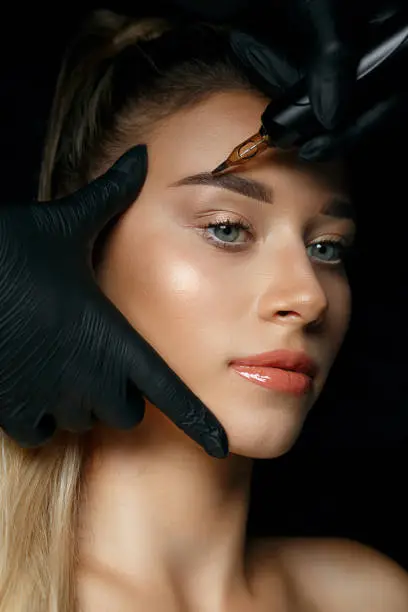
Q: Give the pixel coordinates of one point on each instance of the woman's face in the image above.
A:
(204, 297)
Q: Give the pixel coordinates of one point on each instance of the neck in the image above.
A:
(159, 511)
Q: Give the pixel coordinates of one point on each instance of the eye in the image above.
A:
(332, 252)
(225, 234)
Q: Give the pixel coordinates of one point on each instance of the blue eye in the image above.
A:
(227, 231)
(329, 251)
(225, 234)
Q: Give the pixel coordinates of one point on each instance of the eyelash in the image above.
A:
(242, 225)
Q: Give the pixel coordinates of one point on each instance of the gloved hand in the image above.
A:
(325, 49)
(67, 355)
(319, 40)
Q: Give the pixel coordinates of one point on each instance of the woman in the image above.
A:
(211, 271)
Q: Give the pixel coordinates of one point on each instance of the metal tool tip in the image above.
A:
(220, 168)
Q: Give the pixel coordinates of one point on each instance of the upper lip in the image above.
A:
(282, 359)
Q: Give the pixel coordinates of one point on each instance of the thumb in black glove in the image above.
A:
(331, 64)
(67, 355)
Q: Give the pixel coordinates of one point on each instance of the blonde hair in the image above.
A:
(119, 77)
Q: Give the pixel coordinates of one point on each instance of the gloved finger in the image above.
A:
(327, 146)
(85, 213)
(270, 69)
(75, 410)
(331, 82)
(34, 418)
(150, 374)
(123, 410)
(334, 59)
(170, 394)
(30, 433)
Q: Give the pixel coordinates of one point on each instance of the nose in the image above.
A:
(293, 295)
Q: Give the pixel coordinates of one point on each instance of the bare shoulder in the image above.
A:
(339, 575)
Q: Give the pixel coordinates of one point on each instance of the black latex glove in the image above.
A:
(320, 40)
(327, 50)
(67, 355)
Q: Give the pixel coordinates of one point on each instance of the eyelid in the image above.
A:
(220, 216)
(346, 239)
(343, 229)
(219, 211)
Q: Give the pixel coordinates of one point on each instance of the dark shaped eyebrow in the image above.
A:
(232, 182)
(339, 207)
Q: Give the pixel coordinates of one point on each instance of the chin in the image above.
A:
(268, 444)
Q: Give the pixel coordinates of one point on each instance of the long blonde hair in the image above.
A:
(119, 77)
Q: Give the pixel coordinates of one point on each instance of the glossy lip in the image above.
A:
(282, 359)
(286, 381)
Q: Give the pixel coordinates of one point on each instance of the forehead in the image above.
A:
(198, 138)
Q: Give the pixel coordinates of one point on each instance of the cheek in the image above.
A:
(171, 293)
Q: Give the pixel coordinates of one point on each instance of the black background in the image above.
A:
(347, 474)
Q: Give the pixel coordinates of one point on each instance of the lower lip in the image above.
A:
(275, 378)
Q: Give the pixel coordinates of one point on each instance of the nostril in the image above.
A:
(285, 313)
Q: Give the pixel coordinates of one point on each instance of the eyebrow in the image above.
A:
(245, 186)
(339, 207)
